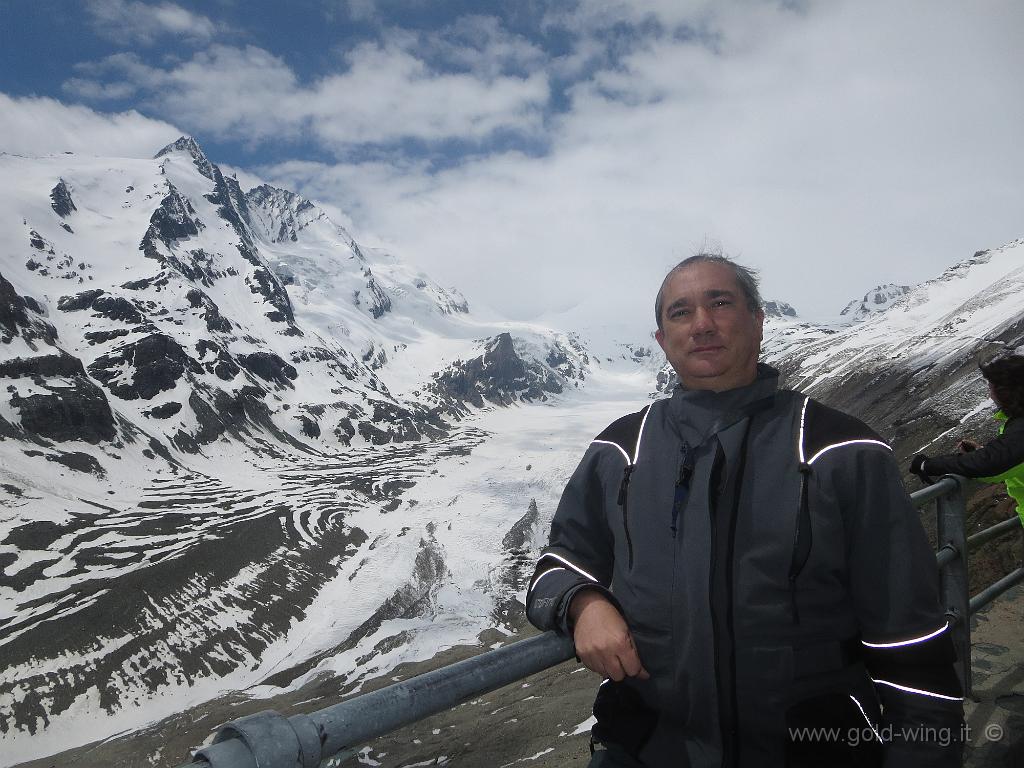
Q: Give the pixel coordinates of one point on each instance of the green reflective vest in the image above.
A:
(1013, 477)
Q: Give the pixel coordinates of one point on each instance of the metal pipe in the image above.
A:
(303, 741)
(946, 555)
(951, 512)
(979, 538)
(926, 494)
(993, 591)
(356, 720)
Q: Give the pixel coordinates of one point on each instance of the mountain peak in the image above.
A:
(778, 309)
(189, 145)
(874, 301)
(265, 194)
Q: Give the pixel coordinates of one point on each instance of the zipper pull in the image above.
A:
(624, 486)
(686, 468)
(682, 485)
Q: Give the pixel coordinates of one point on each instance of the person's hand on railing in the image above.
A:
(603, 641)
(917, 468)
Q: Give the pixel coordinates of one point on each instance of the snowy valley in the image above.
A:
(241, 452)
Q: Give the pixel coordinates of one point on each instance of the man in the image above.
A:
(1001, 459)
(745, 567)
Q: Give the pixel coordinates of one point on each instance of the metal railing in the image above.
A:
(329, 736)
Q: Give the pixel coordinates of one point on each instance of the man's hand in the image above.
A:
(966, 446)
(917, 467)
(602, 639)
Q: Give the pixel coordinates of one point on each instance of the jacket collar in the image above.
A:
(699, 408)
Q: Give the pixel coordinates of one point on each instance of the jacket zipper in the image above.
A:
(624, 503)
(682, 484)
(727, 700)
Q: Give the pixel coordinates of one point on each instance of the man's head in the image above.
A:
(1004, 372)
(710, 322)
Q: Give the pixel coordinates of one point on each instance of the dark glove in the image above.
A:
(917, 467)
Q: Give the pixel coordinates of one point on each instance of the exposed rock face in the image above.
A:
(62, 203)
(103, 305)
(15, 319)
(269, 367)
(43, 366)
(390, 422)
(174, 219)
(211, 312)
(264, 282)
(378, 303)
(190, 145)
(499, 376)
(76, 411)
(778, 309)
(876, 300)
(290, 211)
(156, 363)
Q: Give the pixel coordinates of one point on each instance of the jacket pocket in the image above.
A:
(623, 719)
(839, 728)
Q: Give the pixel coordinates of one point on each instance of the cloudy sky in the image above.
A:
(548, 156)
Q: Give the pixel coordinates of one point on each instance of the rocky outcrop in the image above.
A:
(16, 320)
(76, 410)
(270, 368)
(156, 362)
(215, 321)
(216, 360)
(876, 300)
(499, 376)
(61, 202)
(377, 302)
(263, 282)
(393, 423)
(174, 219)
(778, 309)
(43, 367)
(191, 146)
(287, 210)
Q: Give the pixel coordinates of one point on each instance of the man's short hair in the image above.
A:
(745, 276)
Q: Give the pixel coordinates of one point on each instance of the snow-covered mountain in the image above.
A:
(213, 402)
(875, 301)
(911, 369)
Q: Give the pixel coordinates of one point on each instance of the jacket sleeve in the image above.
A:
(580, 550)
(994, 458)
(907, 644)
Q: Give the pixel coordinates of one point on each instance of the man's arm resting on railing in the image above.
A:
(580, 550)
(603, 641)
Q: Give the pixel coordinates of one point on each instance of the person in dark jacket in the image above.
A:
(1001, 459)
(744, 567)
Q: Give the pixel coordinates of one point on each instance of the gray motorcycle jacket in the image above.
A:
(775, 577)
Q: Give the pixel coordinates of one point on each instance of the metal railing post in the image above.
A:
(951, 512)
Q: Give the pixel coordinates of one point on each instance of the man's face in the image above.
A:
(708, 332)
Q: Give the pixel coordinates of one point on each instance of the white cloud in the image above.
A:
(479, 44)
(132, 22)
(40, 126)
(836, 148)
(835, 145)
(387, 94)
